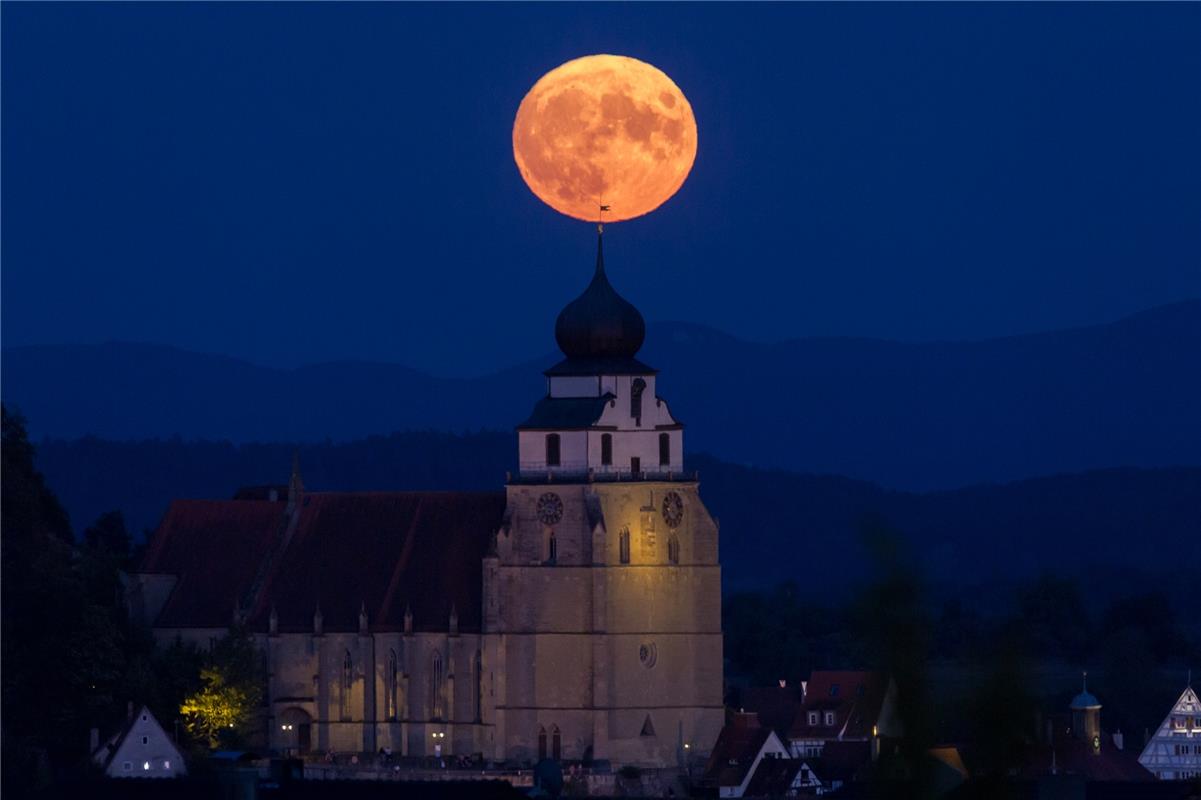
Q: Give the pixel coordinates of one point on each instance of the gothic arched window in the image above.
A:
(673, 549)
(556, 743)
(436, 686)
(390, 706)
(552, 449)
(541, 742)
(636, 389)
(606, 449)
(478, 699)
(552, 548)
(623, 546)
(664, 449)
(347, 683)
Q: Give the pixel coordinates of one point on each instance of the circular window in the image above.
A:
(648, 654)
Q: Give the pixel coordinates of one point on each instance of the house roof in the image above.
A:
(559, 413)
(855, 697)
(739, 742)
(385, 551)
(773, 777)
(775, 705)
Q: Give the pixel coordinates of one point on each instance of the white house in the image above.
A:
(141, 749)
(1174, 752)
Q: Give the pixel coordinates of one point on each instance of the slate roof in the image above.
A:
(563, 413)
(855, 698)
(384, 550)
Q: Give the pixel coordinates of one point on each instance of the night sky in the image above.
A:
(299, 183)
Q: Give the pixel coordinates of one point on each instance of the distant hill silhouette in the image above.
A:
(1108, 525)
(907, 415)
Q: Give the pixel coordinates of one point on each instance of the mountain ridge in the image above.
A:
(913, 415)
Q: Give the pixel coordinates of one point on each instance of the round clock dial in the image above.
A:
(673, 509)
(550, 508)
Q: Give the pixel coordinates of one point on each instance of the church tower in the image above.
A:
(602, 598)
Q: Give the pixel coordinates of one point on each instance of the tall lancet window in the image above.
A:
(552, 548)
(664, 449)
(552, 449)
(623, 546)
(478, 698)
(636, 389)
(390, 689)
(606, 449)
(347, 684)
(673, 549)
(436, 686)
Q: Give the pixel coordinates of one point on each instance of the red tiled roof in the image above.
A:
(387, 550)
(214, 548)
(737, 745)
(855, 697)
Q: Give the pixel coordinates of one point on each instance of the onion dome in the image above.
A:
(599, 323)
(1086, 699)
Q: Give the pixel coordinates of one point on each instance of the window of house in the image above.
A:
(127, 766)
(436, 685)
(623, 546)
(664, 449)
(834, 690)
(166, 765)
(145, 740)
(552, 449)
(812, 717)
(673, 549)
(606, 449)
(829, 717)
(636, 389)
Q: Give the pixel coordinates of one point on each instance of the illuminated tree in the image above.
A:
(223, 711)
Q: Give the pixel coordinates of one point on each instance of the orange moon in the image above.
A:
(604, 129)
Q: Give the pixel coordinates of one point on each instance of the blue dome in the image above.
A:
(1085, 700)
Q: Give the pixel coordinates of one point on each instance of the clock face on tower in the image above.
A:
(673, 510)
(550, 508)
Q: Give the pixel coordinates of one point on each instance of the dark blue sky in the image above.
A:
(294, 183)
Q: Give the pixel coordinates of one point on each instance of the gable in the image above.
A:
(143, 750)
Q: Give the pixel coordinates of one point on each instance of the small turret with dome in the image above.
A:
(600, 323)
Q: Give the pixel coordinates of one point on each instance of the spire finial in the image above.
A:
(600, 248)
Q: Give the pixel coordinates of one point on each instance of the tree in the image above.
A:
(224, 710)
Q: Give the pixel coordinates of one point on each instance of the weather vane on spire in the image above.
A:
(600, 218)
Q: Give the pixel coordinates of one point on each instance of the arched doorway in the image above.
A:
(296, 731)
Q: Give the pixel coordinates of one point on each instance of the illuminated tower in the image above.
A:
(602, 601)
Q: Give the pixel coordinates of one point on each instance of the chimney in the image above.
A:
(1118, 740)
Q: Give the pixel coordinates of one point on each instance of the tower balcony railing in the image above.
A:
(576, 472)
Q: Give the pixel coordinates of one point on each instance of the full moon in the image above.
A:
(604, 130)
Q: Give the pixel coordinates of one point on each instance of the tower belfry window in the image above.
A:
(664, 449)
(606, 449)
(552, 449)
(636, 389)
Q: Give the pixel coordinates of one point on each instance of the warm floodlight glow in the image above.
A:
(606, 130)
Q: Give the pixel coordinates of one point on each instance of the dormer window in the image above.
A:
(636, 389)
(552, 450)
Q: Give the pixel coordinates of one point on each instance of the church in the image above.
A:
(574, 615)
